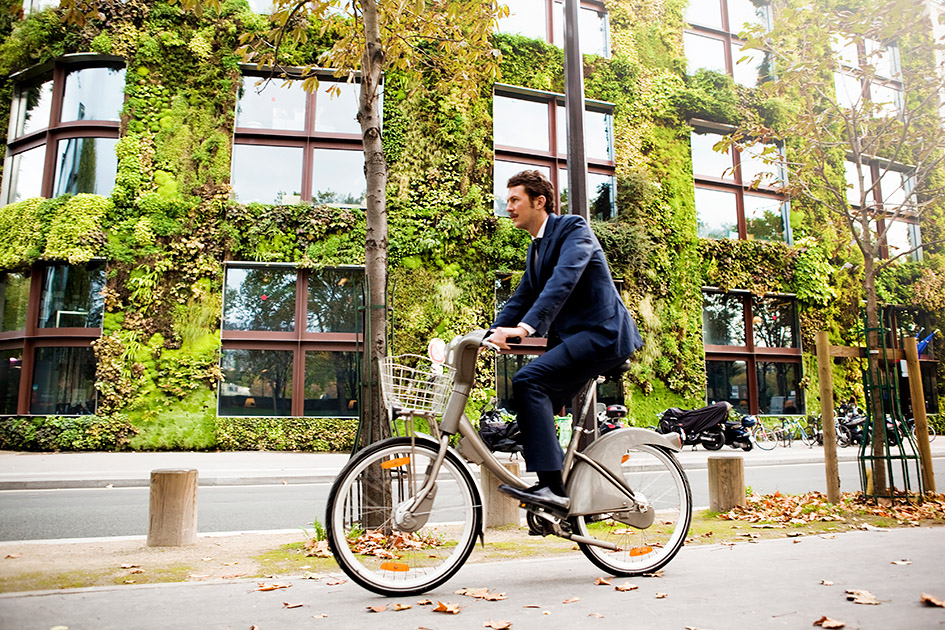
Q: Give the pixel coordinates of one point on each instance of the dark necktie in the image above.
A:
(535, 245)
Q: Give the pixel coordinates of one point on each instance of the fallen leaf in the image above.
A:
(480, 593)
(657, 574)
(828, 536)
(14, 556)
(380, 608)
(827, 622)
(321, 616)
(230, 564)
(288, 605)
(398, 606)
(284, 482)
(626, 586)
(662, 595)
(928, 600)
(445, 607)
(531, 606)
(207, 559)
(601, 581)
(129, 581)
(233, 576)
(546, 612)
(861, 597)
(424, 602)
(572, 600)
(826, 582)
(902, 562)
(254, 627)
(595, 615)
(271, 587)
(198, 576)
(130, 566)
(135, 571)
(497, 625)
(335, 581)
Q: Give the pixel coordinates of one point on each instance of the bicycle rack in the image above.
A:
(899, 455)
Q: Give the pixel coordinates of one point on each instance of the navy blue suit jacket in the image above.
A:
(570, 295)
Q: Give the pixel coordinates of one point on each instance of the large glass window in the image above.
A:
(868, 74)
(65, 127)
(748, 335)
(887, 189)
(531, 19)
(14, 299)
(292, 146)
(272, 365)
(63, 381)
(711, 38)
(11, 368)
(72, 296)
(529, 132)
(736, 192)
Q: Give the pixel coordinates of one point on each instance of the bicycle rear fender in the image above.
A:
(589, 490)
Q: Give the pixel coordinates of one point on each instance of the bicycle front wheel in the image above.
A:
(655, 475)
(383, 549)
(765, 438)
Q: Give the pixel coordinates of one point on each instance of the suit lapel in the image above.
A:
(545, 246)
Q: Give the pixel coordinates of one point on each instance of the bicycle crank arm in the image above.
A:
(590, 541)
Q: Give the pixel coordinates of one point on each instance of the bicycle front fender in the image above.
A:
(593, 493)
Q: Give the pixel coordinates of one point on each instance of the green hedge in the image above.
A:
(286, 434)
(54, 433)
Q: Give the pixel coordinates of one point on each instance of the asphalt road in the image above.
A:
(101, 512)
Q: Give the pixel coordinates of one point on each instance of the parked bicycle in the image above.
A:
(763, 437)
(791, 429)
(404, 513)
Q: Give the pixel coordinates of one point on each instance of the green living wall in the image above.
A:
(170, 223)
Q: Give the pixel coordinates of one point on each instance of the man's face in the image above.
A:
(527, 214)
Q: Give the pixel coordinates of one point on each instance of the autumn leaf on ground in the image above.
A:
(827, 622)
(626, 586)
(662, 595)
(602, 581)
(657, 574)
(335, 581)
(480, 593)
(826, 582)
(135, 571)
(572, 600)
(129, 581)
(317, 549)
(271, 587)
(861, 597)
(130, 566)
(230, 564)
(380, 608)
(531, 606)
(928, 600)
(446, 607)
(399, 606)
(319, 616)
(902, 562)
(497, 625)
(207, 558)
(233, 576)
(288, 605)
(13, 556)
(424, 602)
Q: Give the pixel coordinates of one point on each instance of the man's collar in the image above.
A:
(541, 230)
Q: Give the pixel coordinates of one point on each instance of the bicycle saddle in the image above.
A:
(614, 373)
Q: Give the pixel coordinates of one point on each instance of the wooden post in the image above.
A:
(918, 411)
(173, 509)
(500, 509)
(827, 422)
(726, 483)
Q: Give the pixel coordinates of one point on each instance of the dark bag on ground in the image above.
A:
(501, 436)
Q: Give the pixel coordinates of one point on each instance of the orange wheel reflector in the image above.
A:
(640, 551)
(394, 566)
(395, 463)
(623, 460)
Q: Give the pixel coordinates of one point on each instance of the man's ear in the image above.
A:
(541, 202)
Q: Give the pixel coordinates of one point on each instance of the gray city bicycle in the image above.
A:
(404, 514)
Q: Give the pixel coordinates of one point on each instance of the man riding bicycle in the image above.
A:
(567, 294)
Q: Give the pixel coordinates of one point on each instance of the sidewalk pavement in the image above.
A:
(33, 471)
(780, 583)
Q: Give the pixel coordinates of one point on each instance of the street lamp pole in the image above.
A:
(574, 107)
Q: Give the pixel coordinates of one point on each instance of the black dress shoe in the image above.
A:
(538, 495)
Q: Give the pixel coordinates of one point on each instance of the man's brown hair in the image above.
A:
(535, 185)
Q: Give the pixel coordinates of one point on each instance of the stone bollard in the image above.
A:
(500, 509)
(173, 508)
(726, 483)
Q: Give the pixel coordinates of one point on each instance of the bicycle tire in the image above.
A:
(931, 433)
(654, 472)
(764, 438)
(809, 439)
(844, 437)
(399, 562)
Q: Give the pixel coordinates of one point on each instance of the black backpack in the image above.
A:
(501, 436)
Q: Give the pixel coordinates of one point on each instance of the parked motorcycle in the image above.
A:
(611, 418)
(708, 426)
(849, 422)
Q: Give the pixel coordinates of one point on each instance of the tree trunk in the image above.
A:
(875, 400)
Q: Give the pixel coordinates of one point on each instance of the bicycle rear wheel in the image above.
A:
(654, 473)
(765, 438)
(405, 558)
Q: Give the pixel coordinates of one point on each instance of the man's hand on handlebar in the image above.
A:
(503, 336)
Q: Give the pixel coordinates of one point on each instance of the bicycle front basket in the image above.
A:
(415, 385)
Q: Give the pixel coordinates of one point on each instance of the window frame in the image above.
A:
(875, 169)
(893, 82)
(307, 139)
(554, 8)
(724, 34)
(300, 341)
(55, 131)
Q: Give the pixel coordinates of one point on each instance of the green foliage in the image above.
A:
(75, 233)
(54, 433)
(286, 434)
(21, 233)
(186, 424)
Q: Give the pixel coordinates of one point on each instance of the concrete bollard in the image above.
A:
(500, 509)
(173, 507)
(726, 483)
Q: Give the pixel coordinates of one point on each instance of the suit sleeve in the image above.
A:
(577, 248)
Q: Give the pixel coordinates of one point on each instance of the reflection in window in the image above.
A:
(763, 218)
(592, 30)
(707, 162)
(600, 195)
(728, 381)
(93, 94)
(14, 298)
(717, 213)
(338, 177)
(11, 367)
(526, 17)
(746, 65)
(503, 171)
(774, 322)
(704, 53)
(63, 381)
(723, 319)
(520, 123)
(256, 383)
(71, 296)
(598, 134)
(34, 107)
(742, 13)
(337, 112)
(506, 365)
(26, 178)
(269, 104)
(778, 388)
(901, 237)
(267, 174)
(85, 165)
(704, 13)
(259, 299)
(331, 384)
(335, 297)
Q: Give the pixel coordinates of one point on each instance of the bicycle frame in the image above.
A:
(593, 486)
